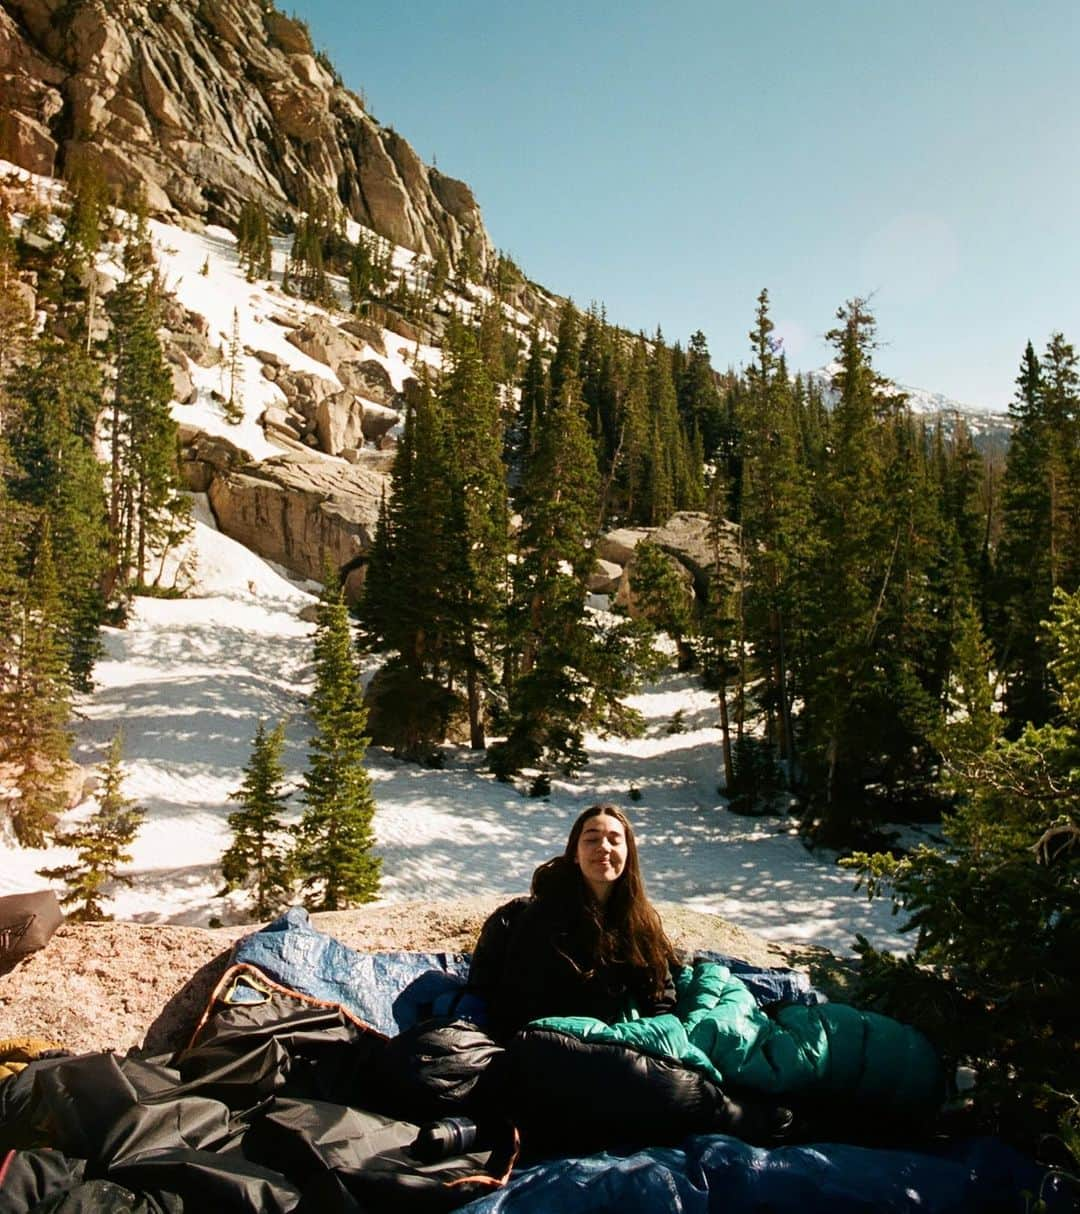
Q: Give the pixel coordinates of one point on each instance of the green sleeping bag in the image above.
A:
(827, 1049)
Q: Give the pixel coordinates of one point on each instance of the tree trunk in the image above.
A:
(476, 723)
(725, 740)
(787, 733)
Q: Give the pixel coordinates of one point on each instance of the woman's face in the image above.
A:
(601, 854)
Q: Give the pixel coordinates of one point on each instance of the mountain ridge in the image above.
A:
(209, 106)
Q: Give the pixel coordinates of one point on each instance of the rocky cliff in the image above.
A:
(208, 103)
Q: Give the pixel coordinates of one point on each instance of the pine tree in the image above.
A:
(1061, 409)
(253, 241)
(675, 480)
(1008, 872)
(54, 402)
(406, 608)
(102, 841)
(35, 696)
(376, 608)
(858, 536)
(305, 271)
(567, 358)
(635, 438)
(146, 507)
(719, 622)
(699, 400)
(1024, 573)
(550, 698)
(440, 273)
(778, 540)
(664, 598)
(597, 369)
(475, 578)
(534, 395)
(75, 286)
(333, 856)
(257, 858)
(15, 317)
(234, 370)
(361, 275)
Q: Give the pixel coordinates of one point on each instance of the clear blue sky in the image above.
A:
(670, 159)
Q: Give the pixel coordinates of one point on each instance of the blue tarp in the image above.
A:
(709, 1173)
(388, 991)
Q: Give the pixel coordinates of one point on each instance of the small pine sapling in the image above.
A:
(334, 850)
(102, 841)
(234, 369)
(257, 859)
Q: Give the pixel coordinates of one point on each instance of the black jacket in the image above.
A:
(533, 960)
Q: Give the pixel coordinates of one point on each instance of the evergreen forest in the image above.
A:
(890, 621)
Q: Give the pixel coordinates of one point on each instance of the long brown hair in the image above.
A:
(626, 928)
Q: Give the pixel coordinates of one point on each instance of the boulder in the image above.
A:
(24, 297)
(303, 391)
(367, 378)
(353, 586)
(339, 423)
(381, 461)
(300, 509)
(178, 319)
(618, 546)
(378, 423)
(26, 142)
(183, 388)
(277, 419)
(323, 341)
(287, 33)
(686, 536)
(605, 577)
(406, 328)
(73, 780)
(205, 456)
(196, 347)
(367, 331)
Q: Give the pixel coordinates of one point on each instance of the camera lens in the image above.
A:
(448, 1136)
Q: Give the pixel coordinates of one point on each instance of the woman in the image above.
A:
(587, 942)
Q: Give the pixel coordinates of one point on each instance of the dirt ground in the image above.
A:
(98, 986)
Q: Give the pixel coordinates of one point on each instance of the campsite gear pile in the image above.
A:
(320, 1079)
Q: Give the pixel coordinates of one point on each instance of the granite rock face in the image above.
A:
(300, 509)
(207, 104)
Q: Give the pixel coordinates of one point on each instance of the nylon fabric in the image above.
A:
(388, 991)
(714, 1174)
(828, 1048)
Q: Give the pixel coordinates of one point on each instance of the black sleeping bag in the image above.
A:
(258, 1116)
(571, 1096)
